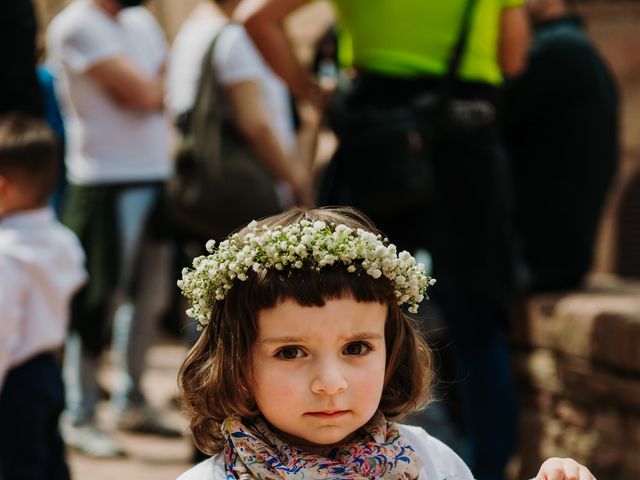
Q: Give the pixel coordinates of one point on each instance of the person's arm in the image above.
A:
(122, 79)
(513, 41)
(251, 118)
(563, 469)
(264, 20)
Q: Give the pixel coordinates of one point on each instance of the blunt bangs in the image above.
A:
(312, 288)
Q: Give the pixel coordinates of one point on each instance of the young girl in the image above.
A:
(306, 355)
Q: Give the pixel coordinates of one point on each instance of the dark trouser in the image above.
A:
(483, 375)
(465, 223)
(92, 212)
(30, 405)
(127, 270)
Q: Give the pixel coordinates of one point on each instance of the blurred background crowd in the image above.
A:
(497, 140)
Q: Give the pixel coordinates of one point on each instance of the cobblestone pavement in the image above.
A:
(148, 457)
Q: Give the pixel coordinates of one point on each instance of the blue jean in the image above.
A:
(139, 299)
(483, 370)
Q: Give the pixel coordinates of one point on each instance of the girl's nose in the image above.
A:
(328, 379)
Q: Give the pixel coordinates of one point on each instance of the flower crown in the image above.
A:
(305, 244)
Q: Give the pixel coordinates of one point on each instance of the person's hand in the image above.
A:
(319, 94)
(563, 469)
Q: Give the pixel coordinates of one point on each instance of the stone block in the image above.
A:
(528, 456)
(595, 324)
(539, 370)
(610, 451)
(616, 340)
(572, 414)
(633, 430)
(631, 463)
(599, 387)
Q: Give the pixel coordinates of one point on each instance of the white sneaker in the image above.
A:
(146, 419)
(87, 438)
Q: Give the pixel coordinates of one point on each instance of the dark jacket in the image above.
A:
(561, 128)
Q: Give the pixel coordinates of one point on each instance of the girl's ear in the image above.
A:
(4, 184)
(246, 380)
(6, 194)
(245, 383)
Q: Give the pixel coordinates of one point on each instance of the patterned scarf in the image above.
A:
(378, 451)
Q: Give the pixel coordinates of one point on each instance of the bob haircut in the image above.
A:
(215, 378)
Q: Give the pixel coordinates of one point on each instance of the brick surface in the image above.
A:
(595, 324)
(576, 359)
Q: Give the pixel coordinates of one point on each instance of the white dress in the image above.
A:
(439, 461)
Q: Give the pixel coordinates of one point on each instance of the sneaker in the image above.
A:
(145, 419)
(87, 438)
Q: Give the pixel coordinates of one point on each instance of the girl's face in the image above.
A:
(318, 372)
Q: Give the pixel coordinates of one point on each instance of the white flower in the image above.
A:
(313, 245)
(374, 272)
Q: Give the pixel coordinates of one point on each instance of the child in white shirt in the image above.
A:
(41, 266)
(307, 354)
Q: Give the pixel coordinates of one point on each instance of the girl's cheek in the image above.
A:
(279, 383)
(287, 388)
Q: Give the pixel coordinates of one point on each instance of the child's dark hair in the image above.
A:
(215, 377)
(28, 154)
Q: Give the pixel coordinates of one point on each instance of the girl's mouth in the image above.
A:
(328, 413)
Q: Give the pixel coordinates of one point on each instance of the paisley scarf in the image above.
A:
(253, 451)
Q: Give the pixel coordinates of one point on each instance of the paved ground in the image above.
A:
(148, 457)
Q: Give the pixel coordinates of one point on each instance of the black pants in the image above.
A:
(465, 222)
(31, 401)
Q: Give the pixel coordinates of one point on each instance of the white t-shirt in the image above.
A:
(439, 461)
(235, 59)
(41, 266)
(107, 142)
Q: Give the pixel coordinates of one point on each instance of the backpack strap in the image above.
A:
(458, 51)
(202, 124)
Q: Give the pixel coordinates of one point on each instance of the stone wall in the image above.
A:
(613, 25)
(577, 361)
(577, 354)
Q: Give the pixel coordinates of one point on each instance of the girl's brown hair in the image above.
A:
(215, 377)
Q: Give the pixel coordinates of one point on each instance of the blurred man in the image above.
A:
(110, 56)
(561, 124)
(401, 52)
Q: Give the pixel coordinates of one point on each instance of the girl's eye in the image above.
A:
(290, 353)
(357, 349)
